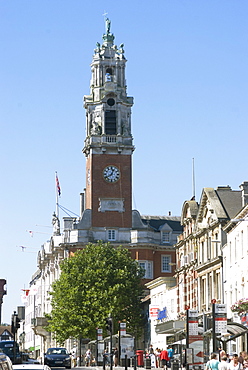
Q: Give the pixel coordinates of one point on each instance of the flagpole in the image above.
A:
(193, 176)
(57, 194)
(55, 221)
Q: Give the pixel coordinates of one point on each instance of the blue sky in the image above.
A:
(187, 71)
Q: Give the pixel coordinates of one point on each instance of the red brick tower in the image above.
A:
(109, 144)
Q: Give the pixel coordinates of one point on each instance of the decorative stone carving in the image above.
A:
(111, 204)
(96, 124)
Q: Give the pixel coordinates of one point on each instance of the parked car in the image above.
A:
(5, 362)
(57, 357)
(11, 349)
(30, 367)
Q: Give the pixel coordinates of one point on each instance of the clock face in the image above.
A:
(111, 173)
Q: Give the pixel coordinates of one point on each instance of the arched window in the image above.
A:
(108, 75)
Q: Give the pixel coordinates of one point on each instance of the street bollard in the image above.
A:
(135, 362)
(125, 362)
(103, 364)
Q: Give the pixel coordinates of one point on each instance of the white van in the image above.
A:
(5, 363)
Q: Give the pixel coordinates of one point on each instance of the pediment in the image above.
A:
(189, 210)
(165, 227)
(210, 207)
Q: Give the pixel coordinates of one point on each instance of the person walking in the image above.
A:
(223, 365)
(116, 356)
(213, 363)
(170, 351)
(74, 359)
(88, 358)
(164, 358)
(235, 364)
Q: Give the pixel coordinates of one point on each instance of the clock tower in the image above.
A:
(109, 144)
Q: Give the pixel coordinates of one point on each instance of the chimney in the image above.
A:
(244, 193)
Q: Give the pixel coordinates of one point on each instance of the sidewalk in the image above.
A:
(118, 368)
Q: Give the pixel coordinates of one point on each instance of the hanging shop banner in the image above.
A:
(220, 318)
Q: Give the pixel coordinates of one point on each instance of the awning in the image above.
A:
(235, 330)
(183, 342)
(170, 327)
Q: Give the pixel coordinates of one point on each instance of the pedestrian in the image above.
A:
(153, 360)
(88, 358)
(221, 353)
(235, 364)
(242, 355)
(245, 363)
(164, 358)
(213, 363)
(151, 349)
(170, 351)
(78, 361)
(116, 356)
(157, 354)
(106, 357)
(223, 365)
(74, 359)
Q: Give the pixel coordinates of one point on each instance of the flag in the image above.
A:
(26, 291)
(30, 232)
(57, 185)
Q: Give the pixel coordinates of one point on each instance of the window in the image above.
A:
(111, 235)
(110, 122)
(165, 236)
(148, 267)
(108, 76)
(165, 263)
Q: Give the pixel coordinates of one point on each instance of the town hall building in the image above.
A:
(106, 205)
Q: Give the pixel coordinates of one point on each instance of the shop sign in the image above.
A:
(153, 311)
(162, 314)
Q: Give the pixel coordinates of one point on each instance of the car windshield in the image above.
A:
(56, 351)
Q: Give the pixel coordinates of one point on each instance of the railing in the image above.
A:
(111, 139)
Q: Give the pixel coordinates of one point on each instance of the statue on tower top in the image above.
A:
(107, 25)
(108, 37)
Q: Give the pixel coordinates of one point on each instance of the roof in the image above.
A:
(189, 210)
(5, 327)
(156, 222)
(224, 201)
(230, 199)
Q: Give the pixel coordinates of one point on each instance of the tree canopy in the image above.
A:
(98, 281)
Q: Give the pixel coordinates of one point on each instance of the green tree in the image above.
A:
(98, 281)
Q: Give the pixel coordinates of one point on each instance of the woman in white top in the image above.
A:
(235, 364)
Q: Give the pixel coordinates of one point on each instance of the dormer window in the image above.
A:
(165, 236)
